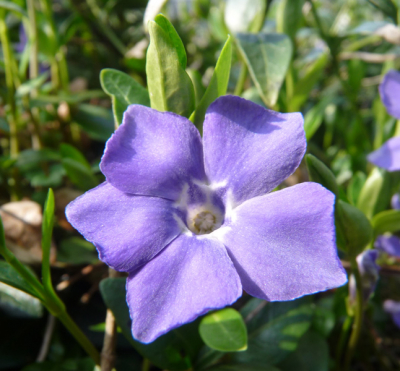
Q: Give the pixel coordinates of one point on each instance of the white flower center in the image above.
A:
(204, 221)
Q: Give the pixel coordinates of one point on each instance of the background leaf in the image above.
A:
(267, 56)
(224, 330)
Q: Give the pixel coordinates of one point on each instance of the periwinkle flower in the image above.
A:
(369, 273)
(388, 156)
(388, 244)
(393, 308)
(191, 219)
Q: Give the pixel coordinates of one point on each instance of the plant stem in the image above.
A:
(77, 333)
(358, 316)
(342, 340)
(241, 80)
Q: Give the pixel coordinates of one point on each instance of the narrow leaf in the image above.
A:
(224, 330)
(47, 232)
(218, 84)
(11, 277)
(170, 87)
(267, 56)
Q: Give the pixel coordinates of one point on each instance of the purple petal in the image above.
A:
(395, 201)
(187, 279)
(388, 244)
(369, 272)
(388, 156)
(127, 230)
(283, 243)
(390, 93)
(393, 307)
(248, 149)
(153, 154)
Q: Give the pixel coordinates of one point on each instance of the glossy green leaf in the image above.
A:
(312, 354)
(47, 232)
(170, 87)
(274, 330)
(305, 84)
(354, 227)
(321, 174)
(18, 303)
(76, 250)
(96, 121)
(217, 86)
(11, 277)
(386, 221)
(79, 174)
(267, 56)
(355, 185)
(224, 330)
(199, 88)
(123, 90)
(245, 15)
(375, 194)
(171, 351)
(289, 16)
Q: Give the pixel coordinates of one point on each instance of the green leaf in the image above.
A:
(355, 185)
(289, 16)
(76, 250)
(171, 351)
(68, 151)
(123, 90)
(305, 84)
(386, 221)
(9, 5)
(199, 88)
(96, 121)
(245, 15)
(47, 232)
(30, 85)
(321, 174)
(11, 277)
(386, 6)
(243, 367)
(170, 87)
(274, 330)
(217, 86)
(79, 174)
(224, 330)
(267, 56)
(314, 117)
(312, 354)
(18, 303)
(375, 194)
(354, 227)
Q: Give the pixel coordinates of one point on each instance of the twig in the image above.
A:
(255, 311)
(84, 272)
(51, 320)
(110, 336)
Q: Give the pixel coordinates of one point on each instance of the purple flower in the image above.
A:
(388, 244)
(395, 201)
(190, 220)
(369, 272)
(393, 307)
(388, 156)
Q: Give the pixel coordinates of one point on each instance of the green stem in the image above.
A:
(8, 60)
(241, 80)
(77, 333)
(146, 365)
(358, 316)
(342, 340)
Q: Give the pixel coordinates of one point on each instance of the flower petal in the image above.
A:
(153, 154)
(388, 244)
(127, 230)
(393, 307)
(388, 156)
(283, 243)
(248, 149)
(389, 90)
(188, 278)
